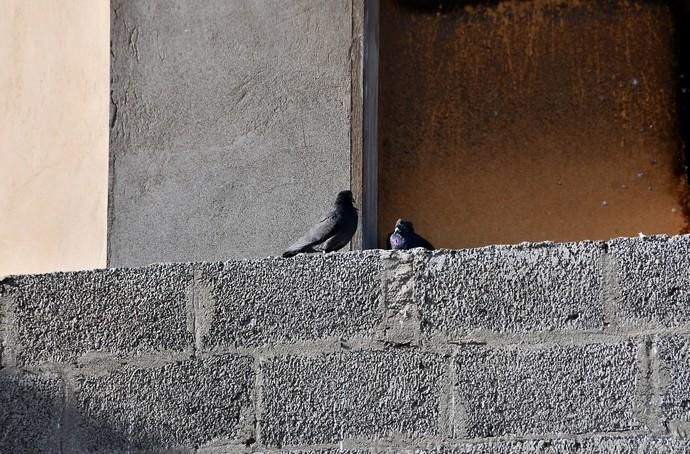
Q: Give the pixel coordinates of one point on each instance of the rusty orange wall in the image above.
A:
(529, 120)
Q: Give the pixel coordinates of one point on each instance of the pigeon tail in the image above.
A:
(334, 231)
(294, 252)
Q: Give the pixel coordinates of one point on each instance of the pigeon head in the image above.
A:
(344, 198)
(403, 226)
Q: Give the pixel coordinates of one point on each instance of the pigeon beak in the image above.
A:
(397, 230)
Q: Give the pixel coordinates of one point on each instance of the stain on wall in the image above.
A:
(503, 122)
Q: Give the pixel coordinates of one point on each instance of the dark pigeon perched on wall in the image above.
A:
(332, 232)
(404, 237)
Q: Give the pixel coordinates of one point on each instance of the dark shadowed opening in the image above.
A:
(510, 121)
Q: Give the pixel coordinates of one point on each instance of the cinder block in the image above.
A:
(374, 449)
(585, 444)
(61, 316)
(666, 445)
(674, 365)
(548, 389)
(30, 411)
(175, 405)
(581, 445)
(275, 300)
(329, 397)
(512, 289)
(653, 281)
(596, 445)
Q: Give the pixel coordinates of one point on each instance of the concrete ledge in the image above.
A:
(576, 347)
(652, 282)
(512, 289)
(60, 317)
(274, 301)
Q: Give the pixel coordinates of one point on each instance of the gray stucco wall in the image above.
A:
(230, 125)
(553, 348)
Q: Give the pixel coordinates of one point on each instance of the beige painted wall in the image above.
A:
(54, 90)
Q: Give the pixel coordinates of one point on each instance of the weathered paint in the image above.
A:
(503, 122)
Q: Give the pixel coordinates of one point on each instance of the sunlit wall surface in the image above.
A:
(54, 88)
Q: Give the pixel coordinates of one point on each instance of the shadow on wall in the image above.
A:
(34, 417)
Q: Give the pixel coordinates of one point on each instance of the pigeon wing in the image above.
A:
(317, 234)
(421, 242)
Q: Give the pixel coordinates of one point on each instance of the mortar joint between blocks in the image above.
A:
(8, 332)
(610, 292)
(258, 399)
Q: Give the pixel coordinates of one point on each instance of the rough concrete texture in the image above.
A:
(653, 281)
(230, 125)
(666, 446)
(269, 301)
(523, 288)
(576, 445)
(185, 403)
(326, 398)
(674, 358)
(545, 389)
(62, 316)
(30, 411)
(580, 445)
(362, 351)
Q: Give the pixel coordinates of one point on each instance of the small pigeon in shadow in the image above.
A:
(404, 237)
(332, 232)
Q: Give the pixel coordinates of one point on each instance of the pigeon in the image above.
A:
(403, 237)
(332, 232)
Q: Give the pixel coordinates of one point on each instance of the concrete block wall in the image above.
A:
(553, 348)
